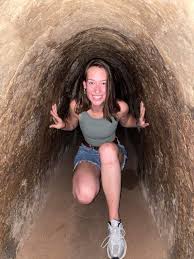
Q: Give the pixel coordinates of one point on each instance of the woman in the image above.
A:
(100, 157)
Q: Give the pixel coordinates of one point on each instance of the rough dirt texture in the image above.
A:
(44, 46)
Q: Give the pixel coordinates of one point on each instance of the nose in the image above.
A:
(97, 88)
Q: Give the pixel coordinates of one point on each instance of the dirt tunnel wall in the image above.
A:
(44, 46)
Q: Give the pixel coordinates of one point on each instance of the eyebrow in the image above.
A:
(95, 80)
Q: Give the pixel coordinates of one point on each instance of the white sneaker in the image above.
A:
(116, 244)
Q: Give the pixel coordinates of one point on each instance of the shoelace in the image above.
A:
(116, 234)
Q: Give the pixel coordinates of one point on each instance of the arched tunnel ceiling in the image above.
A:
(137, 63)
(168, 25)
(149, 44)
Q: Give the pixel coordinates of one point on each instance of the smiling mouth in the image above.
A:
(97, 97)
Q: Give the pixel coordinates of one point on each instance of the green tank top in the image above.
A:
(97, 131)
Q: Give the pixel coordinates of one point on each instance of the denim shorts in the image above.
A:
(91, 155)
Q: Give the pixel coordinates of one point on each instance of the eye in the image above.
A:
(90, 82)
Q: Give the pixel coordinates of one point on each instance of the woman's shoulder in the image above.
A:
(123, 106)
(73, 107)
(73, 104)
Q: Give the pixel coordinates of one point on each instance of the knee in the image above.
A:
(108, 152)
(84, 194)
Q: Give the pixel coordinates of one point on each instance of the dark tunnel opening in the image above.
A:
(127, 85)
(132, 67)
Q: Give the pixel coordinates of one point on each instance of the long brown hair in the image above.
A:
(111, 106)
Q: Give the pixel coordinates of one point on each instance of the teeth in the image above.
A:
(97, 97)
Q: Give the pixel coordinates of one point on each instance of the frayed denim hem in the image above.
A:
(79, 162)
(124, 162)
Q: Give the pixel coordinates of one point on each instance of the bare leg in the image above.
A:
(86, 182)
(111, 177)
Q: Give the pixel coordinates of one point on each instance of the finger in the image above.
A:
(142, 110)
(54, 115)
(55, 120)
(53, 126)
(146, 125)
(54, 110)
(53, 107)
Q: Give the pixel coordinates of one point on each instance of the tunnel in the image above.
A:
(44, 48)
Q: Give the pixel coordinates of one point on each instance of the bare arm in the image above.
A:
(70, 123)
(127, 120)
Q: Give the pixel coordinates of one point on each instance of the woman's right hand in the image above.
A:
(59, 123)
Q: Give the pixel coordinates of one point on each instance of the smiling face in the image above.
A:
(95, 86)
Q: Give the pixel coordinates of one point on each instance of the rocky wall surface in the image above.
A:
(149, 44)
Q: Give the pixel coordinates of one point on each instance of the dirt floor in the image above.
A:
(68, 230)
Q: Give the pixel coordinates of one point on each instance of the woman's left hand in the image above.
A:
(141, 122)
